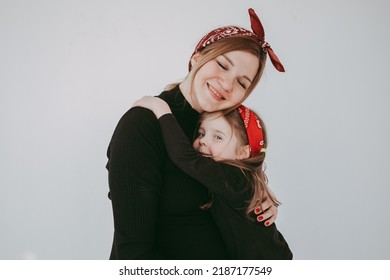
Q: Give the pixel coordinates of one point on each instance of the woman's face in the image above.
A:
(223, 81)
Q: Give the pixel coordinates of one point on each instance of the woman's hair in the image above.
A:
(225, 45)
(253, 167)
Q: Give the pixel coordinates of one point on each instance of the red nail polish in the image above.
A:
(260, 218)
(267, 223)
(257, 210)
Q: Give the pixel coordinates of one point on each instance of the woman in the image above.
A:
(155, 217)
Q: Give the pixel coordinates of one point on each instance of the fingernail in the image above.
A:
(260, 218)
(257, 210)
(267, 224)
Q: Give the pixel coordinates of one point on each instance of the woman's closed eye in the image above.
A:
(223, 66)
(242, 84)
(239, 81)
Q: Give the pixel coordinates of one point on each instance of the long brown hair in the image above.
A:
(253, 167)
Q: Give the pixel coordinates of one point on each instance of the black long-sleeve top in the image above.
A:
(156, 206)
(232, 191)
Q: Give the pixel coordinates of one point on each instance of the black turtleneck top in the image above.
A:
(156, 206)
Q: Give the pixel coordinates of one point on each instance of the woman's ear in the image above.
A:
(195, 58)
(244, 152)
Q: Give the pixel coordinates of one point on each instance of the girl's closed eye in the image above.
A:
(218, 137)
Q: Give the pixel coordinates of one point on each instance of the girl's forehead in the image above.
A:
(213, 118)
(212, 115)
(216, 123)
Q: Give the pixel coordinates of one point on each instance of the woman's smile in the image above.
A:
(216, 94)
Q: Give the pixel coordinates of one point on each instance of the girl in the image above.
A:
(228, 160)
(154, 216)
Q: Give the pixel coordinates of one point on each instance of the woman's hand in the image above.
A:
(158, 106)
(269, 213)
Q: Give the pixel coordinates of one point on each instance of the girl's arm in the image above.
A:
(205, 170)
(158, 106)
(213, 175)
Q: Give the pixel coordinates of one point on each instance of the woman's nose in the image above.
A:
(226, 83)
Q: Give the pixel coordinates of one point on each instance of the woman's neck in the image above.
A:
(184, 88)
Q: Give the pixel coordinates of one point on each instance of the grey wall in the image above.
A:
(70, 69)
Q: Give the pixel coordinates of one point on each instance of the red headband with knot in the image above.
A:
(254, 130)
(229, 31)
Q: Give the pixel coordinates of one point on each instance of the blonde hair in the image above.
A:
(222, 46)
(253, 167)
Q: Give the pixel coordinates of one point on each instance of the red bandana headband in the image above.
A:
(229, 31)
(254, 130)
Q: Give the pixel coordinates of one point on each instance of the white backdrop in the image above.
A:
(70, 69)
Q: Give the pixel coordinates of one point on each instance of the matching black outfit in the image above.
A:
(231, 192)
(156, 205)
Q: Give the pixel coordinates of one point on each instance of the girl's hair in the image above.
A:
(253, 167)
(225, 45)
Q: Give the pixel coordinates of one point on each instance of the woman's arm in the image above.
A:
(135, 179)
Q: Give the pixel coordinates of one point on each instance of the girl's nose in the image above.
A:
(202, 141)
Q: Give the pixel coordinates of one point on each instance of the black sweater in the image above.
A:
(232, 191)
(155, 204)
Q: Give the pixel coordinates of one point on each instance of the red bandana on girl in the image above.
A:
(253, 130)
(229, 31)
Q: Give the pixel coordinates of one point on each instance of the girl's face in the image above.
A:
(222, 82)
(217, 140)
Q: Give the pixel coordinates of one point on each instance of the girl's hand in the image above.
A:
(158, 106)
(269, 213)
